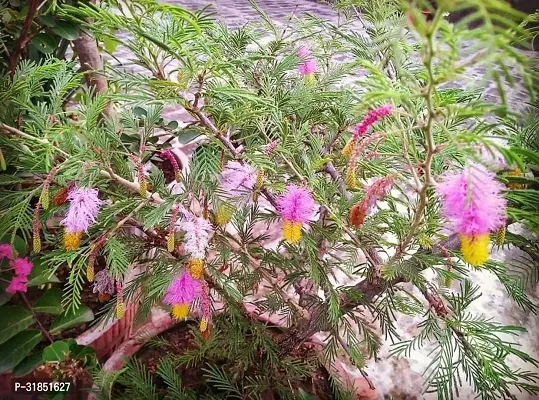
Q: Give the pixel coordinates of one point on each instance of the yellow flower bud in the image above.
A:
(170, 242)
(180, 311)
(292, 231)
(500, 236)
(475, 248)
(72, 240)
(196, 267)
(120, 309)
(203, 325)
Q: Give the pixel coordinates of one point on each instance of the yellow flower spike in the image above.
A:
(72, 240)
(180, 311)
(500, 236)
(37, 244)
(196, 267)
(120, 309)
(170, 242)
(143, 188)
(349, 148)
(44, 199)
(292, 231)
(475, 248)
(90, 272)
(351, 180)
(259, 179)
(178, 176)
(203, 325)
(224, 214)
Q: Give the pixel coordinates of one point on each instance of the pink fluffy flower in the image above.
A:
(370, 119)
(83, 208)
(5, 251)
(308, 66)
(472, 201)
(237, 178)
(22, 266)
(183, 290)
(296, 204)
(17, 284)
(270, 147)
(197, 236)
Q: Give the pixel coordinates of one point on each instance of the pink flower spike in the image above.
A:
(17, 284)
(472, 201)
(22, 266)
(5, 251)
(308, 67)
(370, 119)
(303, 52)
(83, 208)
(183, 290)
(296, 204)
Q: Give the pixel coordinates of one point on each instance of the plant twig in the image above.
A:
(41, 327)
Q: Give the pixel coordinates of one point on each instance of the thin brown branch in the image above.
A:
(36, 318)
(24, 38)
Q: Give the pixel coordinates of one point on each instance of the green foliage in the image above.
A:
(243, 92)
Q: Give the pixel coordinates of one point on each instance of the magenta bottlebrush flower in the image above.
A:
(472, 201)
(308, 67)
(473, 204)
(183, 290)
(296, 204)
(370, 119)
(83, 208)
(17, 284)
(22, 266)
(197, 236)
(5, 251)
(237, 178)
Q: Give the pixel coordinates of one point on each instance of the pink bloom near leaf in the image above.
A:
(237, 178)
(17, 284)
(183, 290)
(308, 67)
(22, 266)
(296, 204)
(83, 208)
(5, 251)
(370, 119)
(472, 201)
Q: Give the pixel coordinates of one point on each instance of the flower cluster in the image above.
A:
(308, 67)
(21, 266)
(473, 204)
(197, 236)
(377, 191)
(167, 154)
(362, 128)
(296, 207)
(181, 293)
(84, 205)
(103, 283)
